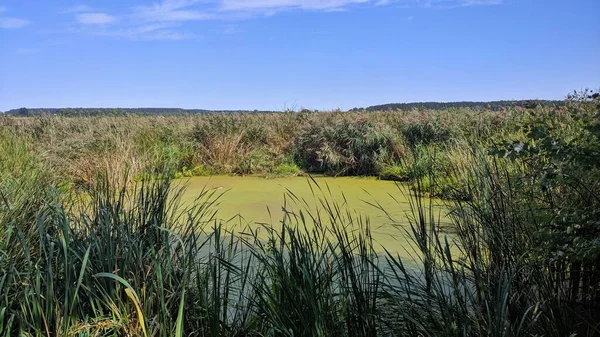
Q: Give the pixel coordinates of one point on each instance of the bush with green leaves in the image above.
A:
(560, 162)
(349, 147)
(425, 134)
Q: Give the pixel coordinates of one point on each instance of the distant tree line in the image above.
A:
(116, 111)
(492, 105)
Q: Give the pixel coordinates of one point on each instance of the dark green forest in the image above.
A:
(492, 105)
(23, 112)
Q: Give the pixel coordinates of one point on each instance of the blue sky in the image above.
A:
(271, 54)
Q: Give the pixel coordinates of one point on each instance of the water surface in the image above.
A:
(253, 200)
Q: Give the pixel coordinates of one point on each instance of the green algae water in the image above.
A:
(248, 202)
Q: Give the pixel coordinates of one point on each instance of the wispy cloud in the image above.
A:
(11, 23)
(242, 5)
(79, 9)
(160, 21)
(172, 10)
(442, 3)
(95, 18)
(166, 19)
(481, 2)
(147, 32)
(271, 7)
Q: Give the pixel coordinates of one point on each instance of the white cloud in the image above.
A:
(167, 35)
(164, 35)
(171, 5)
(79, 9)
(11, 23)
(243, 5)
(480, 2)
(95, 18)
(273, 6)
(166, 19)
(157, 22)
(149, 32)
(172, 10)
(189, 10)
(180, 15)
(194, 10)
(443, 3)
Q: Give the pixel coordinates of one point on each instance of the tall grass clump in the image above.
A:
(349, 147)
(132, 260)
(496, 275)
(117, 262)
(524, 257)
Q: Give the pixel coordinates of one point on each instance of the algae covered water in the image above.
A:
(252, 201)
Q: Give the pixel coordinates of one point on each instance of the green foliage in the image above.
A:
(201, 171)
(394, 172)
(351, 143)
(561, 164)
(259, 161)
(86, 112)
(425, 134)
(520, 257)
(285, 170)
(25, 179)
(197, 171)
(492, 105)
(347, 148)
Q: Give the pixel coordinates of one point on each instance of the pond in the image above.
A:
(250, 201)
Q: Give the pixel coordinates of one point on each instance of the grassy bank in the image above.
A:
(122, 261)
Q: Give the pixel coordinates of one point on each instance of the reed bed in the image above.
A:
(123, 257)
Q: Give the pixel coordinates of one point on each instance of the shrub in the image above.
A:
(286, 169)
(347, 148)
(425, 134)
(258, 161)
(394, 172)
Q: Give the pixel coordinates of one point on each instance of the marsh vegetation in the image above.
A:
(98, 238)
